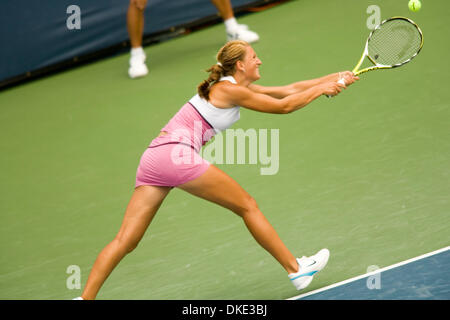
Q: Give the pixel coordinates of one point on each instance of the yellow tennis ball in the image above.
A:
(414, 5)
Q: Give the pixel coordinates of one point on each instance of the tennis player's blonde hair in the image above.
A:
(227, 57)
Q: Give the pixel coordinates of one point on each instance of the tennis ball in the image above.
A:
(414, 5)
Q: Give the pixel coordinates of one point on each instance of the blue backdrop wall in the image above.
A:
(36, 34)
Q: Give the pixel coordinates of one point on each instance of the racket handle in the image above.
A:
(341, 81)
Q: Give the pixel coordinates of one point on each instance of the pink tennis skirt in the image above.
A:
(170, 165)
(174, 158)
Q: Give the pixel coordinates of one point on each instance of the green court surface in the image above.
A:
(365, 174)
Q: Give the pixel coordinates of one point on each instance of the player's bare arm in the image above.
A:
(227, 95)
(281, 92)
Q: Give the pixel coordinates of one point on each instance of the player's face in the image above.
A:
(251, 64)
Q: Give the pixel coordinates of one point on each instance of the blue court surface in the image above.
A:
(426, 277)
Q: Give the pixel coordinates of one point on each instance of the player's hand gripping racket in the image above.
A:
(393, 43)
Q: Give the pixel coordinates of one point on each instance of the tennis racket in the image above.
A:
(393, 43)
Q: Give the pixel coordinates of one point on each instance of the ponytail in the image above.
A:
(215, 73)
(227, 57)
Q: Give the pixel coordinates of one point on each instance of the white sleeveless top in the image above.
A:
(219, 118)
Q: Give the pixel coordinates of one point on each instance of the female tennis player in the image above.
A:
(172, 160)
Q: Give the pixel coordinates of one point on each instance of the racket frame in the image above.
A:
(382, 66)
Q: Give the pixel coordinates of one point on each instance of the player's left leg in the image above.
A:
(140, 211)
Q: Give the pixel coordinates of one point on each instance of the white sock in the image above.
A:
(137, 51)
(231, 24)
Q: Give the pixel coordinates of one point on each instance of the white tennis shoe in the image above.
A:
(138, 67)
(242, 32)
(308, 267)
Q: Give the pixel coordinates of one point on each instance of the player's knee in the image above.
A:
(131, 246)
(126, 245)
(249, 206)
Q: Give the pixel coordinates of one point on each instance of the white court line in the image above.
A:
(369, 274)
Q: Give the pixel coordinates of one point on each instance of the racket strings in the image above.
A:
(394, 42)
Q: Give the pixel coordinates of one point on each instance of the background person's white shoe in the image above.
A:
(137, 63)
(308, 267)
(242, 33)
(137, 67)
(243, 26)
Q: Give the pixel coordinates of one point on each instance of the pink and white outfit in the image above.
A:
(173, 159)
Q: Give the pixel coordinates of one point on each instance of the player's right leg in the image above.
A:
(218, 187)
